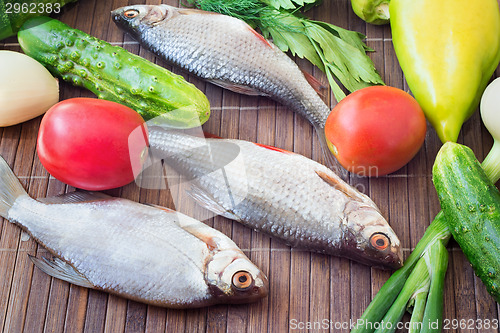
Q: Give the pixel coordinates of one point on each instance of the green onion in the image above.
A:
(418, 305)
(437, 232)
(417, 281)
(437, 259)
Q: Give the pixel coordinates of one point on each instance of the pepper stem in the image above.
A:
(372, 11)
(383, 11)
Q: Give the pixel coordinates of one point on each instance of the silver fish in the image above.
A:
(149, 254)
(283, 194)
(227, 52)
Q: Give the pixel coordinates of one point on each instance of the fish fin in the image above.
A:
(259, 36)
(168, 210)
(274, 148)
(59, 269)
(193, 11)
(314, 82)
(10, 188)
(237, 88)
(329, 159)
(75, 197)
(199, 230)
(340, 185)
(189, 11)
(208, 202)
(211, 136)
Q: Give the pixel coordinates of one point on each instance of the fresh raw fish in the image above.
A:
(146, 253)
(283, 194)
(227, 52)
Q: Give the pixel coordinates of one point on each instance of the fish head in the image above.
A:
(137, 17)
(233, 278)
(369, 237)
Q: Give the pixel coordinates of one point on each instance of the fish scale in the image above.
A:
(227, 52)
(283, 194)
(70, 246)
(146, 253)
(187, 41)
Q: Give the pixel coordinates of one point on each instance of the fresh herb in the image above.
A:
(338, 52)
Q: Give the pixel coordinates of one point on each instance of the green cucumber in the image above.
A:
(5, 25)
(471, 205)
(14, 13)
(114, 74)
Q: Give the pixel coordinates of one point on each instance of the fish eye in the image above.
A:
(380, 241)
(131, 13)
(242, 280)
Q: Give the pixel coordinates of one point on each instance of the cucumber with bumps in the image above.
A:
(471, 205)
(114, 74)
(6, 29)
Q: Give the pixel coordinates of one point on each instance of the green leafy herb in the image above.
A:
(338, 52)
(290, 4)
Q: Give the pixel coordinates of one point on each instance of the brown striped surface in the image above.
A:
(306, 290)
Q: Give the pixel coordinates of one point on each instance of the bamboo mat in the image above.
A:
(306, 290)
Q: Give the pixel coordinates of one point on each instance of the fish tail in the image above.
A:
(329, 159)
(10, 188)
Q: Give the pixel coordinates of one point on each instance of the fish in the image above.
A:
(229, 53)
(283, 194)
(145, 253)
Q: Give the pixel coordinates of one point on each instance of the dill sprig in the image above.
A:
(338, 52)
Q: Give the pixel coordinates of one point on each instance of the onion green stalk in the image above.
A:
(437, 232)
(338, 52)
(417, 282)
(424, 291)
(418, 305)
(437, 264)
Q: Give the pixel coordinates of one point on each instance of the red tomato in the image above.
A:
(376, 130)
(92, 144)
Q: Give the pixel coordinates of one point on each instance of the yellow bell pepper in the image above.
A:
(448, 50)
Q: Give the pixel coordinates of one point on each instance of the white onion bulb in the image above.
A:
(27, 89)
(490, 108)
